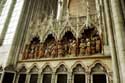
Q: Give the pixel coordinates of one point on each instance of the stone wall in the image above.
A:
(7, 42)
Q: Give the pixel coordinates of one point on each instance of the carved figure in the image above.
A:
(66, 48)
(88, 49)
(25, 54)
(47, 52)
(54, 50)
(73, 48)
(60, 49)
(82, 48)
(41, 51)
(98, 45)
(31, 52)
(36, 53)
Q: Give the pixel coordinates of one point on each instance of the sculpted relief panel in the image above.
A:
(69, 46)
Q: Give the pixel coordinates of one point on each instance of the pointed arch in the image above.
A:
(35, 39)
(46, 68)
(49, 40)
(99, 66)
(83, 29)
(67, 36)
(34, 69)
(63, 66)
(67, 29)
(22, 69)
(47, 34)
(78, 63)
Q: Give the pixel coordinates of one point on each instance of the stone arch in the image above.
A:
(45, 36)
(22, 69)
(78, 68)
(76, 64)
(98, 69)
(90, 35)
(32, 37)
(84, 28)
(49, 38)
(46, 68)
(99, 65)
(33, 69)
(61, 65)
(36, 39)
(61, 69)
(65, 34)
(65, 30)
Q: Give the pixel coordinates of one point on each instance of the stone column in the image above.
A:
(119, 27)
(39, 78)
(53, 77)
(27, 78)
(116, 76)
(88, 77)
(69, 77)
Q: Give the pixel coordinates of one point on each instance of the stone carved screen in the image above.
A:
(88, 44)
(62, 39)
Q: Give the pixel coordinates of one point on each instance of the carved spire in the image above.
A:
(60, 9)
(88, 19)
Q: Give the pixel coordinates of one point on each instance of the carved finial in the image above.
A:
(60, 9)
